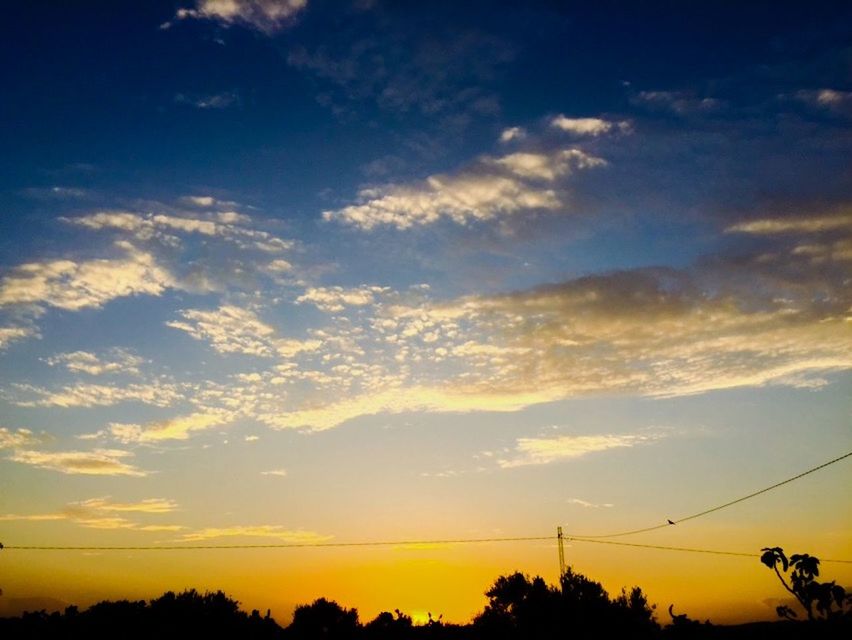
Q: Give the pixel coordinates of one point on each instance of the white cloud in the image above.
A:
(548, 167)
(588, 126)
(493, 186)
(228, 329)
(102, 462)
(8, 335)
(279, 266)
(335, 299)
(71, 285)
(114, 361)
(200, 201)
(512, 134)
(546, 450)
(266, 16)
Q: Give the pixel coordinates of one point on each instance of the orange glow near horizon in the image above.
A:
(448, 580)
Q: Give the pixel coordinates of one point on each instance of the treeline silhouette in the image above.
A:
(519, 608)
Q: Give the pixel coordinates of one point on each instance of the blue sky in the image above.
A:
(366, 260)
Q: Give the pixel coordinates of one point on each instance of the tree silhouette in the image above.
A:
(820, 600)
(520, 607)
(324, 619)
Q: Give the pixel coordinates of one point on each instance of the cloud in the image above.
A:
(148, 505)
(278, 532)
(534, 451)
(211, 101)
(399, 399)
(72, 286)
(334, 299)
(589, 505)
(159, 394)
(228, 329)
(33, 517)
(267, 16)
(830, 99)
(179, 428)
(8, 335)
(795, 224)
(281, 473)
(97, 513)
(679, 102)
(230, 226)
(513, 134)
(101, 462)
(200, 201)
(491, 187)
(588, 126)
(18, 439)
(114, 361)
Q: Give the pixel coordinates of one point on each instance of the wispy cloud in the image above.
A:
(230, 226)
(156, 393)
(228, 329)
(533, 451)
(71, 285)
(100, 462)
(267, 16)
(99, 513)
(281, 473)
(8, 335)
(795, 224)
(830, 99)
(209, 101)
(179, 428)
(148, 505)
(297, 536)
(334, 299)
(679, 102)
(113, 361)
(19, 438)
(589, 505)
(491, 187)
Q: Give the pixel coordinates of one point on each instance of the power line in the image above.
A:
(381, 543)
(721, 506)
(279, 545)
(661, 547)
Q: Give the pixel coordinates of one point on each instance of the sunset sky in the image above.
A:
(280, 271)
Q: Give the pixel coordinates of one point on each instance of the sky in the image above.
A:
(296, 271)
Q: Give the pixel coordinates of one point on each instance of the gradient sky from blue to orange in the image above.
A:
(280, 270)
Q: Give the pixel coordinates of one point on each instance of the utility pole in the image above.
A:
(561, 553)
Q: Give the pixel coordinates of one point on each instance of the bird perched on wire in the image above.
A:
(669, 521)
